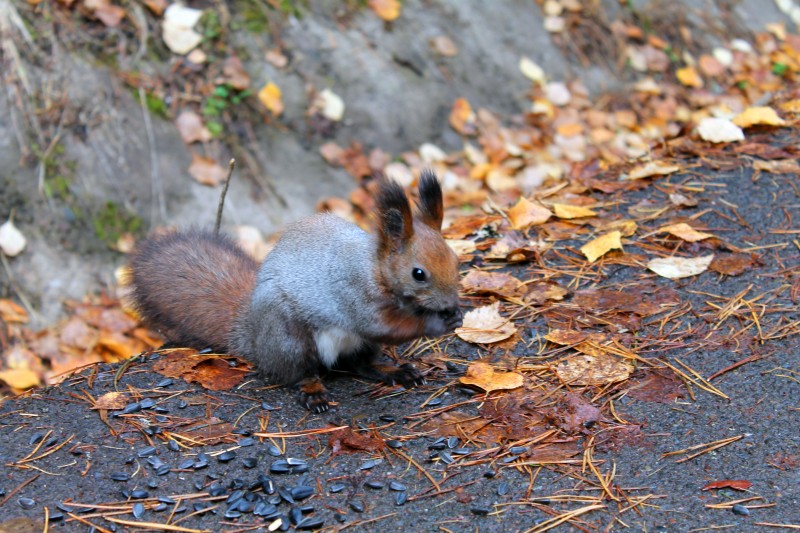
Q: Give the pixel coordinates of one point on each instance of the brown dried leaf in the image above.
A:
(482, 375)
(463, 227)
(443, 45)
(736, 484)
(780, 166)
(565, 337)
(539, 293)
(497, 283)
(11, 312)
(210, 371)
(111, 401)
(206, 171)
(599, 369)
(346, 440)
(732, 264)
(191, 127)
(235, 74)
(573, 413)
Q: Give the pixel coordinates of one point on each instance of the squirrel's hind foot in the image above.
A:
(313, 395)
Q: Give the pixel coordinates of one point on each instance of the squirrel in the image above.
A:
(327, 296)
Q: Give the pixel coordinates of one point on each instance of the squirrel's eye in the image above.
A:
(418, 274)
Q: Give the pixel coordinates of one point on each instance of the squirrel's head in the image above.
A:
(414, 261)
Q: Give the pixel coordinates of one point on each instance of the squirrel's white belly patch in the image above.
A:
(333, 342)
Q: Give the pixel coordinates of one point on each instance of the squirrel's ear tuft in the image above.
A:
(431, 206)
(396, 226)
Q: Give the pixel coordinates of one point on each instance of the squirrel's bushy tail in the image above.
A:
(190, 286)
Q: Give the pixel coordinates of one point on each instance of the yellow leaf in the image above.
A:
(20, 378)
(526, 213)
(484, 376)
(758, 116)
(792, 106)
(686, 232)
(270, 96)
(689, 77)
(388, 10)
(597, 248)
(572, 211)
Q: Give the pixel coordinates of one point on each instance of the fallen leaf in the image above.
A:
(276, 58)
(157, 7)
(111, 401)
(497, 283)
(680, 199)
(736, 484)
(653, 168)
(12, 241)
(719, 130)
(332, 153)
(461, 246)
(780, 166)
(525, 214)
(539, 293)
(484, 325)
(758, 116)
(686, 232)
(573, 413)
(388, 10)
(566, 337)
(235, 74)
(20, 378)
(462, 118)
(211, 371)
(270, 97)
(732, 264)
(689, 77)
(600, 369)
(106, 12)
(600, 246)
(176, 28)
(206, 171)
(680, 267)
(444, 46)
(329, 104)
(531, 70)
(191, 127)
(483, 376)
(11, 312)
(567, 211)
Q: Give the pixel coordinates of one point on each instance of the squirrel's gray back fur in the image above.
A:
(313, 297)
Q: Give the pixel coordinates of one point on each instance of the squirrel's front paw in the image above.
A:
(407, 376)
(313, 395)
(453, 318)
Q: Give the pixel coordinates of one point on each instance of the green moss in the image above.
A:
(112, 221)
(156, 105)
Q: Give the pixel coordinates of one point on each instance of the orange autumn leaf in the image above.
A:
(600, 246)
(736, 484)
(20, 378)
(462, 118)
(526, 213)
(206, 170)
(388, 10)
(483, 376)
(689, 77)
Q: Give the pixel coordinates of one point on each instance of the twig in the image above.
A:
(231, 166)
(157, 189)
(19, 488)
